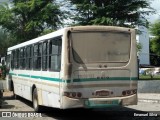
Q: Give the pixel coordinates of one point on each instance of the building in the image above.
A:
(143, 39)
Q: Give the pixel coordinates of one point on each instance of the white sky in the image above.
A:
(156, 5)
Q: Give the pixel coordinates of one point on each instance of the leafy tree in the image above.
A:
(139, 47)
(3, 42)
(155, 43)
(110, 12)
(27, 19)
(155, 31)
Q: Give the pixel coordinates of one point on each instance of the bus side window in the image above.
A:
(45, 56)
(22, 58)
(16, 60)
(8, 62)
(37, 54)
(55, 47)
(12, 59)
(29, 57)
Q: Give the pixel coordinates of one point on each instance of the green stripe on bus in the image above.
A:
(22, 75)
(104, 79)
(75, 80)
(12, 74)
(38, 77)
(51, 79)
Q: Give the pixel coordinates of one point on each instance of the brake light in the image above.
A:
(129, 92)
(73, 94)
(124, 93)
(79, 94)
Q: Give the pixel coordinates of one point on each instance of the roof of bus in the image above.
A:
(38, 39)
(61, 32)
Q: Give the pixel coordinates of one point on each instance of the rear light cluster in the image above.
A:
(129, 92)
(73, 94)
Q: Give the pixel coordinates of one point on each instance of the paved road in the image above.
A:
(115, 113)
(149, 86)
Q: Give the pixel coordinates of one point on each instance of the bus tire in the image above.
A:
(35, 101)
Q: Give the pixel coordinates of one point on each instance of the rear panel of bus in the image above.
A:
(100, 67)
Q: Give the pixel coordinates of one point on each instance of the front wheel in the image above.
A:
(35, 101)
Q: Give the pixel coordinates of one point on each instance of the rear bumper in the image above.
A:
(98, 102)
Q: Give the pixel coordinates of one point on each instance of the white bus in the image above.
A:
(81, 66)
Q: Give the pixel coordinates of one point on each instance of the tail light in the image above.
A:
(124, 93)
(129, 92)
(79, 94)
(73, 94)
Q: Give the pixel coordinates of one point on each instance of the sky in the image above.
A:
(156, 5)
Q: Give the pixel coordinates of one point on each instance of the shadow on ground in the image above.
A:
(110, 113)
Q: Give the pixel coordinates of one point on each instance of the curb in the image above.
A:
(149, 100)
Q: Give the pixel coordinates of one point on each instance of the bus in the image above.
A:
(76, 67)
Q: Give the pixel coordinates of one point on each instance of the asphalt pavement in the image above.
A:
(149, 91)
(149, 97)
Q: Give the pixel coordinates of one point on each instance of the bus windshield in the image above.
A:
(106, 46)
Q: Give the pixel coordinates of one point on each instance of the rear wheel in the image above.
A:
(35, 100)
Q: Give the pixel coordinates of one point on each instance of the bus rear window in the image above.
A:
(91, 47)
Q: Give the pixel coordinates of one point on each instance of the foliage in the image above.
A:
(154, 59)
(155, 31)
(149, 77)
(3, 72)
(155, 43)
(139, 47)
(27, 19)
(111, 12)
(4, 42)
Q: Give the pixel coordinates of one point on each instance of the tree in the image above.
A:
(110, 12)
(155, 31)
(3, 42)
(155, 43)
(27, 19)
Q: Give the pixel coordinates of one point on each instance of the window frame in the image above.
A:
(37, 56)
(45, 55)
(29, 58)
(22, 58)
(58, 38)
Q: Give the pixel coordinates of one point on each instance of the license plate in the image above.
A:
(102, 93)
(90, 103)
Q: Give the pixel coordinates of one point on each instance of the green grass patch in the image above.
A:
(149, 77)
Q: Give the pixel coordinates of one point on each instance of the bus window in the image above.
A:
(8, 60)
(37, 56)
(45, 56)
(22, 58)
(29, 57)
(55, 47)
(12, 59)
(115, 47)
(16, 60)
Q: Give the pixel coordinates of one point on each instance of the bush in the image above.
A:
(3, 72)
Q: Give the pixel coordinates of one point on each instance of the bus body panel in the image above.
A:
(106, 81)
(99, 84)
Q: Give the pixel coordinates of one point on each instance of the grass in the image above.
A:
(149, 77)
(2, 78)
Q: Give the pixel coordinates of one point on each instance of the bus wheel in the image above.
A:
(35, 100)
